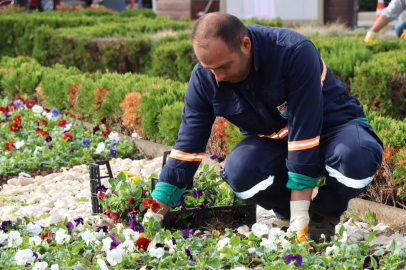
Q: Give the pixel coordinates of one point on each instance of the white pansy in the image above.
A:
(40, 266)
(131, 235)
(170, 243)
(126, 247)
(114, 256)
(37, 109)
(3, 237)
(38, 148)
(14, 239)
(291, 231)
(100, 148)
(251, 250)
(348, 229)
(120, 228)
(61, 236)
(156, 252)
(88, 237)
(102, 264)
(268, 244)
(34, 241)
(285, 243)
(222, 243)
(171, 251)
(55, 267)
(345, 237)
(331, 249)
(276, 235)
(259, 229)
(135, 135)
(34, 228)
(67, 127)
(114, 136)
(49, 116)
(22, 256)
(106, 243)
(44, 113)
(19, 144)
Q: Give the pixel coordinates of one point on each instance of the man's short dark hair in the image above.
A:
(224, 26)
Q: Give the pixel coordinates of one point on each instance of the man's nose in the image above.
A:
(219, 76)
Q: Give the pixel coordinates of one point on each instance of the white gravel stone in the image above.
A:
(14, 182)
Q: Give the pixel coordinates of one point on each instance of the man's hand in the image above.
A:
(299, 218)
(370, 36)
(148, 215)
(403, 35)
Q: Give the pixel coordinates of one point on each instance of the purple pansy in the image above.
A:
(49, 146)
(115, 244)
(217, 158)
(298, 259)
(186, 233)
(70, 227)
(4, 225)
(36, 256)
(105, 229)
(367, 262)
(71, 151)
(201, 206)
(189, 255)
(67, 123)
(101, 188)
(48, 139)
(179, 202)
(95, 129)
(197, 193)
(136, 226)
(18, 103)
(113, 236)
(202, 173)
(85, 142)
(78, 220)
(55, 112)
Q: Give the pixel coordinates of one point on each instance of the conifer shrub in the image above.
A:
(169, 122)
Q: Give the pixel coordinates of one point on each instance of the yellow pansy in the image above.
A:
(223, 185)
(135, 179)
(329, 258)
(134, 255)
(141, 235)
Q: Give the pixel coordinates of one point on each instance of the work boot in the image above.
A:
(282, 224)
(321, 223)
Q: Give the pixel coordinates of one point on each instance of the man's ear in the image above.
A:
(246, 44)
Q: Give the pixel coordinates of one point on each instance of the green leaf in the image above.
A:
(121, 177)
(235, 241)
(77, 248)
(393, 245)
(341, 231)
(118, 186)
(371, 236)
(374, 263)
(78, 267)
(213, 262)
(325, 260)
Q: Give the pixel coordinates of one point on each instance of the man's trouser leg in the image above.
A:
(256, 171)
(353, 154)
(399, 27)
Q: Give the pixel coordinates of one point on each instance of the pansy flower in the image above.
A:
(3, 109)
(78, 220)
(197, 193)
(101, 188)
(115, 244)
(151, 204)
(12, 107)
(71, 151)
(186, 233)
(61, 123)
(131, 200)
(55, 112)
(106, 132)
(217, 158)
(95, 129)
(68, 136)
(17, 118)
(30, 103)
(105, 229)
(103, 120)
(367, 262)
(5, 224)
(38, 130)
(45, 133)
(113, 236)
(189, 255)
(14, 127)
(69, 226)
(48, 139)
(143, 243)
(101, 195)
(43, 122)
(297, 258)
(136, 226)
(85, 142)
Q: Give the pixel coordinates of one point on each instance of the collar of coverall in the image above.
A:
(255, 55)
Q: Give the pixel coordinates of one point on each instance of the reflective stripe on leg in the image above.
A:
(349, 182)
(255, 189)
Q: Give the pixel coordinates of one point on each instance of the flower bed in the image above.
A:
(26, 245)
(32, 136)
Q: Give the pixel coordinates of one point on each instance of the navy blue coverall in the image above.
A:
(300, 124)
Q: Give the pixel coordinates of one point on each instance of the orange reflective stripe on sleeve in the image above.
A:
(176, 154)
(305, 144)
(280, 135)
(324, 73)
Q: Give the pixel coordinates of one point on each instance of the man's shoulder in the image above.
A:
(276, 35)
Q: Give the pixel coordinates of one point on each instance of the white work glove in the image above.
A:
(370, 36)
(299, 218)
(158, 217)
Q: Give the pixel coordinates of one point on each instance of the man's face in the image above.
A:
(225, 65)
